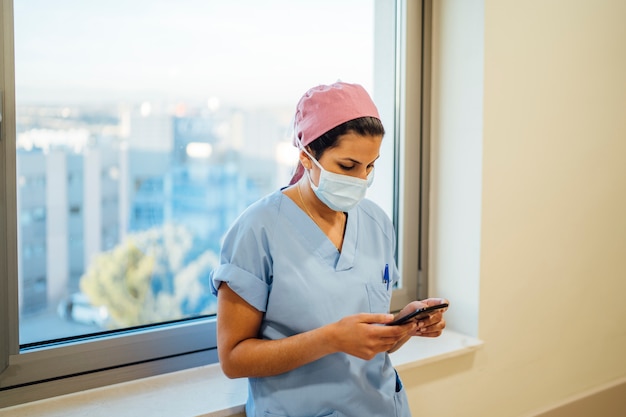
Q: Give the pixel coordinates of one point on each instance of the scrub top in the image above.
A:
(280, 262)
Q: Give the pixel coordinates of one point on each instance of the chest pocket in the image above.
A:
(379, 298)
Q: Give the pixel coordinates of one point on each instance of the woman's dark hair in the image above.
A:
(365, 126)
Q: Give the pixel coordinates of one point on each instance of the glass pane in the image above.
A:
(144, 128)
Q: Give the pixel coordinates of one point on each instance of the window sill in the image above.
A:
(420, 351)
(205, 391)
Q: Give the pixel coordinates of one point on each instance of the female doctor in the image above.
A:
(303, 294)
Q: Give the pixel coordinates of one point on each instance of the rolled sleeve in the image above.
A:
(251, 288)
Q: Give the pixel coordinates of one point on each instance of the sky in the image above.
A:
(245, 52)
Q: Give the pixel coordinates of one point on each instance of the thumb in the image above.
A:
(435, 301)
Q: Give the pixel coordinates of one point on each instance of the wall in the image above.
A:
(552, 229)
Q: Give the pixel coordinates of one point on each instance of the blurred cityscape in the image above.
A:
(121, 208)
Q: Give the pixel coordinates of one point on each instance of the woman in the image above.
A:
(307, 272)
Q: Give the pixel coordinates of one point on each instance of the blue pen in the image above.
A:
(386, 276)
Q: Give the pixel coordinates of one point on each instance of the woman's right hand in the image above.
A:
(364, 335)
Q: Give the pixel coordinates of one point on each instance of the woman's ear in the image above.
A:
(304, 160)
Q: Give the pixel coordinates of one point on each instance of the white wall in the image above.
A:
(456, 159)
(552, 230)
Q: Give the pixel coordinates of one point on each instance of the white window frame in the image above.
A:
(43, 372)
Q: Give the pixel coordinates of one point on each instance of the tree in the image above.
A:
(152, 276)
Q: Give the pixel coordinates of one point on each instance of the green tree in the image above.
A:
(152, 276)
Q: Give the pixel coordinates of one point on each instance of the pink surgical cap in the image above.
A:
(325, 107)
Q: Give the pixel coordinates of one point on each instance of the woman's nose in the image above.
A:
(364, 173)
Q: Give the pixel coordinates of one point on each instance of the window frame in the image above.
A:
(42, 372)
(412, 148)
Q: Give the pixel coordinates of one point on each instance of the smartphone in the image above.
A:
(420, 313)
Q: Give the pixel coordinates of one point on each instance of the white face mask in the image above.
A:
(337, 191)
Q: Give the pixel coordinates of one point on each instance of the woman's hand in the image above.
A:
(433, 325)
(364, 335)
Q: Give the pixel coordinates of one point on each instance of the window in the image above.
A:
(133, 134)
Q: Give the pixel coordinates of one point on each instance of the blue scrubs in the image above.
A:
(278, 260)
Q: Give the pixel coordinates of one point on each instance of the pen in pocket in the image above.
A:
(386, 276)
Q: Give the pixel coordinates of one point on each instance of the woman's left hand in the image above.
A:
(433, 325)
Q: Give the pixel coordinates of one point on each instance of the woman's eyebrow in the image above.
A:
(357, 162)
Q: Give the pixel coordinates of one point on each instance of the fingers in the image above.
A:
(378, 339)
(363, 335)
(430, 328)
(433, 325)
